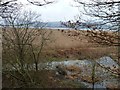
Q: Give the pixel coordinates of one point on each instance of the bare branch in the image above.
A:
(37, 3)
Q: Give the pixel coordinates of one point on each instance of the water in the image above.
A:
(108, 62)
(105, 78)
(58, 25)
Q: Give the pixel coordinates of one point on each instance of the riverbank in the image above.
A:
(61, 45)
(76, 73)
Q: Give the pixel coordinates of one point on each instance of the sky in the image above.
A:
(60, 10)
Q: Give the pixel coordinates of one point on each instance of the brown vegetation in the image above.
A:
(89, 79)
(77, 47)
(66, 44)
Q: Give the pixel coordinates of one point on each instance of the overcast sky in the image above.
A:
(61, 10)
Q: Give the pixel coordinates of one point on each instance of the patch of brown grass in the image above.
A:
(89, 79)
(84, 53)
(72, 44)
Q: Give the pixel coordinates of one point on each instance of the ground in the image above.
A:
(72, 44)
(64, 45)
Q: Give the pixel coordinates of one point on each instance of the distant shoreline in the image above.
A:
(60, 28)
(65, 28)
(84, 29)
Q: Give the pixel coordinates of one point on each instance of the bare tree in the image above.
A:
(9, 6)
(40, 3)
(105, 10)
(108, 14)
(20, 31)
(4, 3)
(105, 15)
(19, 49)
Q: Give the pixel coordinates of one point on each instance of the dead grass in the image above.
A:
(83, 53)
(43, 79)
(72, 44)
(89, 79)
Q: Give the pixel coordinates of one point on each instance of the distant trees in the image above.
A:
(71, 24)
